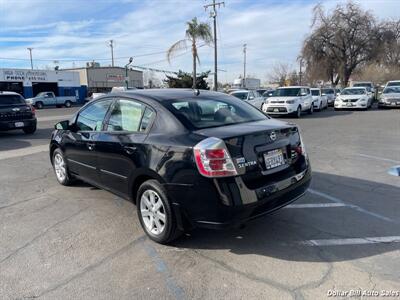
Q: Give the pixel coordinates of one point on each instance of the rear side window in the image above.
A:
(126, 115)
(200, 113)
(92, 117)
(146, 119)
(11, 100)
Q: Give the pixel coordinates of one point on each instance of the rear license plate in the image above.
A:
(274, 159)
(276, 109)
(19, 124)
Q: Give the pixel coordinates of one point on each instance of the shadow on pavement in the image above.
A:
(286, 234)
(17, 139)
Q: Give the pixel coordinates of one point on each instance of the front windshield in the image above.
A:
(353, 91)
(393, 83)
(287, 92)
(315, 92)
(240, 95)
(328, 91)
(393, 89)
(197, 113)
(362, 85)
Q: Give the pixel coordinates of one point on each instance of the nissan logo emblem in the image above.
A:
(272, 136)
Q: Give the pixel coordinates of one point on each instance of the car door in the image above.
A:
(79, 143)
(251, 98)
(120, 146)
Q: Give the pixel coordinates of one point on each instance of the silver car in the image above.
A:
(252, 97)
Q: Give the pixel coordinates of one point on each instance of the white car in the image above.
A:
(392, 83)
(354, 97)
(390, 97)
(320, 100)
(290, 100)
(252, 97)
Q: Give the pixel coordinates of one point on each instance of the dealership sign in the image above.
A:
(21, 75)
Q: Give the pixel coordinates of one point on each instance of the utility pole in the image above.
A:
(30, 54)
(244, 64)
(213, 14)
(112, 52)
(300, 71)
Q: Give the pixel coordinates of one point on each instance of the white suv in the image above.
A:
(290, 100)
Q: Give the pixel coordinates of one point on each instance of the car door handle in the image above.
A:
(129, 149)
(90, 146)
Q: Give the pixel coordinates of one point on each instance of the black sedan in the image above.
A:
(186, 159)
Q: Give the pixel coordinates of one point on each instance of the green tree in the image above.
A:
(195, 32)
(185, 80)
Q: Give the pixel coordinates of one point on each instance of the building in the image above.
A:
(103, 79)
(31, 82)
(249, 83)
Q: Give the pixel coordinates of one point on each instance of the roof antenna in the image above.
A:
(196, 92)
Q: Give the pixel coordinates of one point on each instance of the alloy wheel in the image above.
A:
(59, 167)
(153, 212)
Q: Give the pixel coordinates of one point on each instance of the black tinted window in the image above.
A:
(125, 116)
(202, 113)
(91, 118)
(287, 92)
(11, 99)
(146, 119)
(315, 92)
(242, 96)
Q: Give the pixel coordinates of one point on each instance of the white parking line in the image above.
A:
(352, 241)
(23, 152)
(316, 205)
(360, 209)
(378, 158)
(53, 118)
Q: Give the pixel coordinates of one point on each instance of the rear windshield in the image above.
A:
(287, 92)
(315, 92)
(11, 100)
(362, 85)
(201, 113)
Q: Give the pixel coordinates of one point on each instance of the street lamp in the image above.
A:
(30, 54)
(126, 72)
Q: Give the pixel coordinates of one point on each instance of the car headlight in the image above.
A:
(362, 100)
(290, 101)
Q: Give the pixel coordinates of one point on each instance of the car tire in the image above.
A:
(39, 105)
(297, 114)
(60, 167)
(68, 104)
(311, 109)
(30, 129)
(155, 213)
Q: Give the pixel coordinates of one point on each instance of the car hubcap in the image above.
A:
(152, 212)
(59, 167)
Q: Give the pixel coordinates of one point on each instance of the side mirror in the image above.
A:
(63, 125)
(395, 171)
(251, 98)
(380, 92)
(337, 94)
(323, 94)
(303, 94)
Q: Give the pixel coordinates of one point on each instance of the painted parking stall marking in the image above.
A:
(352, 241)
(316, 205)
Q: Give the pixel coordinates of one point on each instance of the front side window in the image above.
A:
(91, 118)
(125, 116)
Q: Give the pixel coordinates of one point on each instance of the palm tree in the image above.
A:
(195, 32)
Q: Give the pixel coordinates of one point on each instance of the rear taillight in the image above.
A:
(213, 159)
(33, 110)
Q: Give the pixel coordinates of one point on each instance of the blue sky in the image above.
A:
(73, 32)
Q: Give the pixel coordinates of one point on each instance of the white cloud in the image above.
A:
(81, 30)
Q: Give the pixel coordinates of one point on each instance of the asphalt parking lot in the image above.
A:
(80, 242)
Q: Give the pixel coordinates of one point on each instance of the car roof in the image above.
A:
(168, 94)
(356, 88)
(315, 89)
(294, 86)
(8, 93)
(240, 91)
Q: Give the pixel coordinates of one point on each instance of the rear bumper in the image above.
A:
(228, 203)
(11, 125)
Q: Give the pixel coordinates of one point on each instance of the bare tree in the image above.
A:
(390, 47)
(342, 41)
(279, 73)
